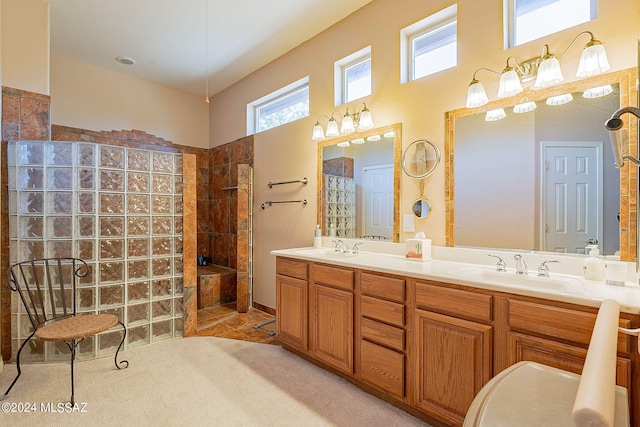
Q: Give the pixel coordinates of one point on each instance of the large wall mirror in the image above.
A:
(512, 183)
(359, 184)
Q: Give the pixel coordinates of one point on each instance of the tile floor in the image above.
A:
(224, 321)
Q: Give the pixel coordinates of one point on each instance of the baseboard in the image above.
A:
(268, 310)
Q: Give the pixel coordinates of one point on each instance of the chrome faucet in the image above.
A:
(341, 246)
(543, 270)
(501, 265)
(521, 266)
(354, 250)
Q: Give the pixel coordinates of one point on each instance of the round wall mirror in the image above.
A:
(420, 159)
(422, 208)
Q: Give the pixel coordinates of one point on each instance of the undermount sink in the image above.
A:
(531, 280)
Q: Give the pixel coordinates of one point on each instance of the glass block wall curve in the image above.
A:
(121, 210)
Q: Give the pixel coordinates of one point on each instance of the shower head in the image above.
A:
(615, 123)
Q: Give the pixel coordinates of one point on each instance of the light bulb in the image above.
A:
(476, 95)
(560, 99)
(318, 132)
(495, 115)
(549, 73)
(509, 84)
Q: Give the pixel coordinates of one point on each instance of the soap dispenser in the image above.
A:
(317, 237)
(593, 266)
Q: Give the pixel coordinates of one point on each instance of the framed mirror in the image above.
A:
(359, 184)
(504, 168)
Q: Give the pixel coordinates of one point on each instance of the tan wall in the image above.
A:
(25, 45)
(89, 97)
(288, 153)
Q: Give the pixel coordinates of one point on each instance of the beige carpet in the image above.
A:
(198, 381)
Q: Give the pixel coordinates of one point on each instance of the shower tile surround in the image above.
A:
(121, 210)
(26, 116)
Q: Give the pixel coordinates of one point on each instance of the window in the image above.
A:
(353, 76)
(526, 16)
(430, 45)
(280, 107)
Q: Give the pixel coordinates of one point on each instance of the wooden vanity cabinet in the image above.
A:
(453, 349)
(331, 316)
(429, 347)
(291, 302)
(382, 342)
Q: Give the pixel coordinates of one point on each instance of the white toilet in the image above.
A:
(530, 394)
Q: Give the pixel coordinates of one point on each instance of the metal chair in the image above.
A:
(47, 288)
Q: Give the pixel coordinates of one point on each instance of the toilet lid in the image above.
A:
(532, 394)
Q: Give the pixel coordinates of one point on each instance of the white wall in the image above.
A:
(289, 153)
(88, 97)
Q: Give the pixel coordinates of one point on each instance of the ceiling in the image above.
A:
(167, 38)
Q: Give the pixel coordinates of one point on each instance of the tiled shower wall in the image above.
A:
(26, 116)
(221, 224)
(119, 209)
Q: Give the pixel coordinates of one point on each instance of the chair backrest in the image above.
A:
(47, 287)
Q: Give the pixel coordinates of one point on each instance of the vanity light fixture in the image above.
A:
(545, 69)
(525, 107)
(509, 81)
(389, 134)
(361, 120)
(559, 99)
(495, 115)
(343, 144)
(597, 92)
(549, 71)
(374, 138)
(358, 141)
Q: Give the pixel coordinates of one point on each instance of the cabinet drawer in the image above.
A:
(382, 368)
(455, 302)
(385, 311)
(291, 268)
(382, 287)
(333, 276)
(382, 334)
(561, 323)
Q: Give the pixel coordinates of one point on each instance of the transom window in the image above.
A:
(357, 80)
(532, 19)
(280, 107)
(353, 76)
(430, 45)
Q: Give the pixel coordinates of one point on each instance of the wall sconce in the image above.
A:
(545, 69)
(361, 120)
(613, 125)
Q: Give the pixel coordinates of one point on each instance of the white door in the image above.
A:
(378, 200)
(571, 195)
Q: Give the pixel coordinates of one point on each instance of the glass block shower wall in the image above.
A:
(340, 205)
(121, 210)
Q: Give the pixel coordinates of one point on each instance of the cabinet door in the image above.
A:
(332, 327)
(291, 306)
(453, 363)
